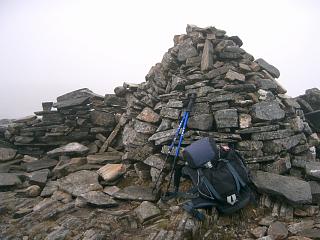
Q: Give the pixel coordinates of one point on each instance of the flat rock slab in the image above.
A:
(278, 230)
(99, 199)
(25, 119)
(111, 172)
(136, 193)
(9, 180)
(39, 177)
(226, 118)
(294, 190)
(72, 102)
(313, 170)
(155, 161)
(201, 122)
(40, 164)
(7, 154)
(49, 189)
(103, 158)
(102, 118)
(148, 115)
(268, 67)
(73, 148)
(267, 111)
(146, 211)
(80, 182)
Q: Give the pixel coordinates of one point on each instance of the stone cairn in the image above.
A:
(80, 115)
(238, 102)
(85, 169)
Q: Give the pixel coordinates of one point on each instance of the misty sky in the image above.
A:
(48, 48)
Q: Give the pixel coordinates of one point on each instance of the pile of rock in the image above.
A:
(80, 115)
(92, 157)
(238, 102)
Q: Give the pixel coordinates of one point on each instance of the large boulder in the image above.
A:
(294, 190)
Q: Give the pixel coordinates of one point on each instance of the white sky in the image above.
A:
(48, 48)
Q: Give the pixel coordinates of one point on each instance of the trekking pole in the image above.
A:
(176, 156)
(180, 131)
(170, 149)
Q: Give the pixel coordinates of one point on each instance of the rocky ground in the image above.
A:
(84, 166)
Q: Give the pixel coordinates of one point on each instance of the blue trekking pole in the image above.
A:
(180, 131)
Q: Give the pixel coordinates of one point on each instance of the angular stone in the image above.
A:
(232, 76)
(294, 190)
(168, 134)
(80, 182)
(111, 172)
(171, 113)
(300, 226)
(279, 145)
(217, 72)
(258, 129)
(9, 180)
(7, 154)
(207, 56)
(79, 93)
(315, 191)
(228, 97)
(98, 199)
(179, 83)
(70, 149)
(259, 232)
(23, 139)
(281, 166)
(40, 164)
(186, 50)
(66, 166)
(106, 157)
(272, 135)
(132, 137)
(136, 193)
(246, 87)
(71, 103)
(25, 119)
(144, 127)
(249, 145)
(313, 233)
(110, 190)
(148, 115)
(155, 161)
(147, 211)
(201, 121)
(266, 84)
(200, 108)
(278, 230)
(313, 170)
(49, 189)
(102, 118)
(39, 177)
(244, 120)
(226, 118)
(267, 111)
(268, 67)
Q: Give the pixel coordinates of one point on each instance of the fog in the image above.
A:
(48, 48)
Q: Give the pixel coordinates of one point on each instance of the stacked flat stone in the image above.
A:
(238, 102)
(80, 115)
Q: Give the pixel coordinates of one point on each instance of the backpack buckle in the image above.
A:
(232, 199)
(208, 165)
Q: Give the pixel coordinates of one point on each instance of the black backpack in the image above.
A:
(219, 176)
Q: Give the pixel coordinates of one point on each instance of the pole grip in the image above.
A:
(192, 99)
